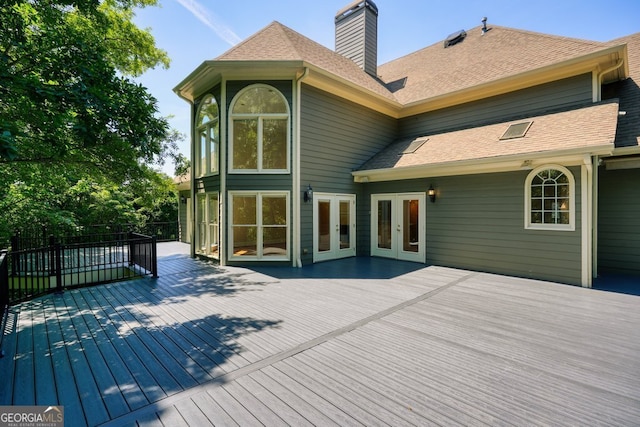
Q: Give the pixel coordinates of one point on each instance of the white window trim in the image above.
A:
(260, 118)
(260, 256)
(197, 144)
(198, 223)
(572, 201)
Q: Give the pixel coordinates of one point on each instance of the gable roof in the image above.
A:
(277, 42)
(479, 59)
(586, 130)
(502, 60)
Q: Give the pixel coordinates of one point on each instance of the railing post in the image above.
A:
(154, 257)
(15, 247)
(52, 255)
(4, 296)
(58, 269)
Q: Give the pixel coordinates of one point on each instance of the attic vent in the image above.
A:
(517, 130)
(454, 38)
(415, 144)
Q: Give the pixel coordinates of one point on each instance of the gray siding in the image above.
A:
(357, 39)
(477, 223)
(522, 103)
(337, 136)
(619, 221)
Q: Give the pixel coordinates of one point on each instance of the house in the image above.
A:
(496, 150)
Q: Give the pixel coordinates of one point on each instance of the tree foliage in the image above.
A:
(72, 122)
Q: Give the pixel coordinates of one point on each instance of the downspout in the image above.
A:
(223, 251)
(296, 171)
(594, 209)
(587, 221)
(600, 76)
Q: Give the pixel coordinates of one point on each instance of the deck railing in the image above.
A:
(4, 295)
(39, 237)
(76, 261)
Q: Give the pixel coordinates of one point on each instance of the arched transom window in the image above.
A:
(260, 131)
(550, 199)
(207, 137)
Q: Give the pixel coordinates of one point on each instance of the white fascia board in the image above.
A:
(211, 72)
(572, 157)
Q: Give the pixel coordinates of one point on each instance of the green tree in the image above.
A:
(72, 122)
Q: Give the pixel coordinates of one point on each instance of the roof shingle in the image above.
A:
(478, 59)
(585, 127)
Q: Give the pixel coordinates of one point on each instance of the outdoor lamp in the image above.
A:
(431, 192)
(308, 194)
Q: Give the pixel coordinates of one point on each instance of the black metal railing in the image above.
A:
(38, 237)
(76, 261)
(4, 296)
(143, 253)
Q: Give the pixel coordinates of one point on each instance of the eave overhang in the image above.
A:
(594, 62)
(525, 161)
(211, 72)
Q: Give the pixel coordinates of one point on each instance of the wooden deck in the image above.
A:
(351, 342)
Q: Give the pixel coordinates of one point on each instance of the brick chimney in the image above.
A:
(357, 34)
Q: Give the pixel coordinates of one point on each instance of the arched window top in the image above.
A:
(550, 176)
(550, 199)
(208, 110)
(260, 99)
(207, 137)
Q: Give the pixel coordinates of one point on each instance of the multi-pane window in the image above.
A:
(550, 199)
(207, 217)
(260, 131)
(207, 137)
(259, 225)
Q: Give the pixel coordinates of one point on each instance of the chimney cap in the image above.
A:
(353, 6)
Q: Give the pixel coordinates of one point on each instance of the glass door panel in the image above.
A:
(345, 224)
(410, 236)
(324, 226)
(384, 224)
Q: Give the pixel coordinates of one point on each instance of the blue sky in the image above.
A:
(192, 31)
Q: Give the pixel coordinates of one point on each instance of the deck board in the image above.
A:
(399, 345)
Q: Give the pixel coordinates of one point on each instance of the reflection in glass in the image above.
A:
(345, 221)
(324, 226)
(384, 224)
(410, 238)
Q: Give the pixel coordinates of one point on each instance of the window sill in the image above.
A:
(550, 227)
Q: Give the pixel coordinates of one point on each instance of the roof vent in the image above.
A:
(517, 130)
(415, 144)
(454, 38)
(484, 26)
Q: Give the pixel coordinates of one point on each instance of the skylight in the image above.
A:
(517, 130)
(415, 144)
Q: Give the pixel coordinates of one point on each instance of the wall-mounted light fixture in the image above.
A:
(431, 192)
(183, 200)
(308, 194)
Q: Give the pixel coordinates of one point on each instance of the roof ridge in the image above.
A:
(516, 30)
(245, 41)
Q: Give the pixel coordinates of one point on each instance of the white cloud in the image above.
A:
(211, 21)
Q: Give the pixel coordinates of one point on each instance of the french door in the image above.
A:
(334, 231)
(398, 226)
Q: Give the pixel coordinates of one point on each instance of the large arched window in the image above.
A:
(207, 137)
(550, 199)
(259, 131)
